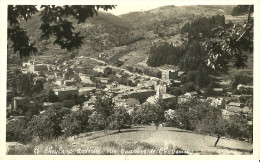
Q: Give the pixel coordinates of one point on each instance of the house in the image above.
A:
(58, 74)
(184, 98)
(86, 90)
(169, 98)
(26, 64)
(217, 102)
(191, 94)
(188, 96)
(234, 105)
(180, 73)
(59, 81)
(243, 87)
(159, 96)
(103, 80)
(102, 55)
(99, 69)
(140, 94)
(169, 72)
(114, 85)
(69, 82)
(24, 70)
(18, 103)
(64, 92)
(85, 78)
(132, 102)
(218, 90)
(38, 68)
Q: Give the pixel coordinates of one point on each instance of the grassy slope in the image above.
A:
(146, 137)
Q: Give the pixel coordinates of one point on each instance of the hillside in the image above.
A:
(101, 32)
(132, 34)
(172, 15)
(145, 138)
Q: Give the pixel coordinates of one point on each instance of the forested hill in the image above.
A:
(203, 25)
(101, 32)
(169, 54)
(172, 15)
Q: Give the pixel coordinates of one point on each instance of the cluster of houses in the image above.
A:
(62, 74)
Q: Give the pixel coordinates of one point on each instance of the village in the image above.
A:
(77, 88)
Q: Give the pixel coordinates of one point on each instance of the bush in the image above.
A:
(237, 127)
(16, 131)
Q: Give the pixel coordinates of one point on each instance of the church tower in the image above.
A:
(158, 95)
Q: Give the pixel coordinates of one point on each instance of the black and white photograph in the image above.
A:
(129, 79)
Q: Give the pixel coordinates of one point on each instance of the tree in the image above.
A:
(104, 107)
(235, 92)
(148, 113)
(231, 43)
(96, 121)
(177, 91)
(188, 87)
(239, 10)
(25, 83)
(47, 125)
(212, 123)
(75, 123)
(38, 87)
(120, 117)
(107, 71)
(201, 117)
(51, 97)
(55, 21)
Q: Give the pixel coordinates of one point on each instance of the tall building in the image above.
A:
(169, 74)
(158, 95)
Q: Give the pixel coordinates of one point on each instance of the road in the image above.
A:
(119, 68)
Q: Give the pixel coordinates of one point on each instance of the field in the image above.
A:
(163, 141)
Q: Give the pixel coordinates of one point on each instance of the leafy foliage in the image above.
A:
(47, 125)
(203, 25)
(51, 97)
(24, 83)
(75, 123)
(104, 107)
(212, 44)
(238, 127)
(231, 43)
(147, 114)
(15, 131)
(120, 117)
(239, 10)
(165, 54)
